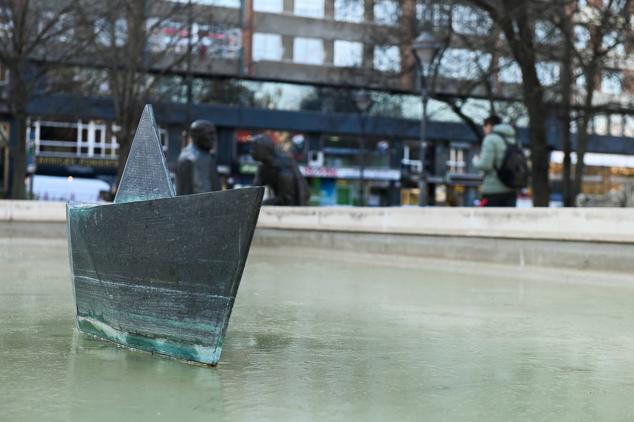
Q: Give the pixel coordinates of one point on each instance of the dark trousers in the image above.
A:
(506, 199)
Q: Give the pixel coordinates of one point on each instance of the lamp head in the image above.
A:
(426, 47)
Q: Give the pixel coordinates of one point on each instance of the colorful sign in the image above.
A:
(319, 171)
(248, 168)
(214, 40)
(351, 173)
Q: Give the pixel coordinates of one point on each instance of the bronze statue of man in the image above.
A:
(196, 169)
(280, 173)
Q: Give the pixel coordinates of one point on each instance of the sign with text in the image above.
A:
(96, 163)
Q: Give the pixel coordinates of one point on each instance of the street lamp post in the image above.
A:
(363, 101)
(425, 49)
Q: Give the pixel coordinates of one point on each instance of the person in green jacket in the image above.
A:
(494, 192)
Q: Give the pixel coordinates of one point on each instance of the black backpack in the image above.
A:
(514, 170)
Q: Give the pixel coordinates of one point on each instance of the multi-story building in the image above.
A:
(294, 69)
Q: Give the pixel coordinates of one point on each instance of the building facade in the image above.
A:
(293, 69)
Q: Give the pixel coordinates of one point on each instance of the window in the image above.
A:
(628, 130)
(78, 139)
(6, 23)
(377, 153)
(279, 96)
(509, 72)
(386, 12)
(612, 82)
(207, 39)
(271, 6)
(348, 54)
(438, 14)
(616, 124)
(613, 43)
(234, 4)
(168, 34)
(546, 32)
(457, 159)
(548, 73)
(62, 28)
(460, 63)
(341, 151)
(217, 40)
(582, 37)
(600, 125)
(267, 46)
(580, 80)
(470, 21)
(387, 58)
(310, 8)
(308, 50)
(616, 6)
(111, 33)
(349, 10)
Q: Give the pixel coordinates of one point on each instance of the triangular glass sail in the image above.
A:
(145, 175)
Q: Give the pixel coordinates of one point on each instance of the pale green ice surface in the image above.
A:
(341, 337)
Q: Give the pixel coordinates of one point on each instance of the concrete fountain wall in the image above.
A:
(587, 238)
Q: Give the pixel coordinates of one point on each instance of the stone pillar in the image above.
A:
(329, 52)
(289, 6)
(368, 10)
(247, 38)
(368, 47)
(329, 9)
(287, 48)
(368, 56)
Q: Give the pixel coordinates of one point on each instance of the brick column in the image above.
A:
(407, 29)
(247, 38)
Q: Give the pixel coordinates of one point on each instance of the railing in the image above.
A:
(79, 139)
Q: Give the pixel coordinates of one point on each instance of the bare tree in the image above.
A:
(564, 19)
(146, 48)
(467, 63)
(593, 35)
(517, 21)
(605, 25)
(467, 75)
(36, 38)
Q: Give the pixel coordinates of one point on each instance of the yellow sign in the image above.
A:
(76, 161)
